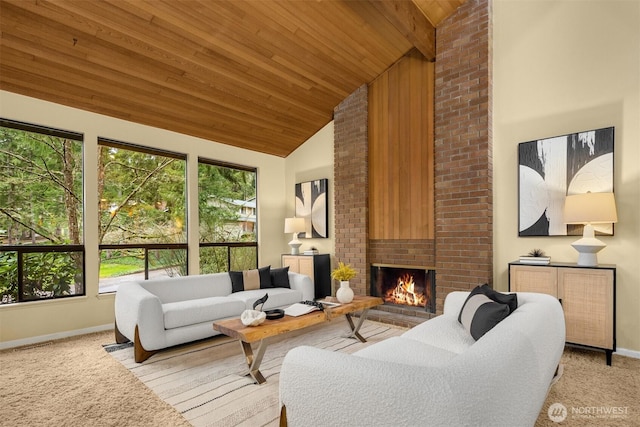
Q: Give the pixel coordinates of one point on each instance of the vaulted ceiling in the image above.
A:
(262, 75)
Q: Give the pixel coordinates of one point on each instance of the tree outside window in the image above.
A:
(142, 214)
(143, 230)
(41, 212)
(227, 205)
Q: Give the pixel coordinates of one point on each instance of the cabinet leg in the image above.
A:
(609, 354)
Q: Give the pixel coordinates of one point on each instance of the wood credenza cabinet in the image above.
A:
(587, 295)
(318, 267)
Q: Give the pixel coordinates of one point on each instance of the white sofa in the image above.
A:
(160, 313)
(435, 374)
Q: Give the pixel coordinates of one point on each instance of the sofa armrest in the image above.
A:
(454, 301)
(136, 306)
(302, 283)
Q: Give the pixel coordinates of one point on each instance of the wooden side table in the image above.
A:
(318, 267)
(587, 295)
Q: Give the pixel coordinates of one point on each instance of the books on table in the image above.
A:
(298, 309)
(328, 303)
(541, 260)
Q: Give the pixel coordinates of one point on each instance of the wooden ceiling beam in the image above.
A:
(409, 20)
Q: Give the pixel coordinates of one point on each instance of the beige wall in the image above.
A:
(312, 160)
(22, 322)
(559, 67)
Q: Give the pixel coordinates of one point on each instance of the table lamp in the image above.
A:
(589, 208)
(295, 226)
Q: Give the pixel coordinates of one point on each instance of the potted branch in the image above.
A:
(343, 274)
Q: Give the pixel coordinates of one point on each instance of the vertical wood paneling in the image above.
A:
(401, 171)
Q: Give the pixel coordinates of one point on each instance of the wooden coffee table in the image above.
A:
(270, 328)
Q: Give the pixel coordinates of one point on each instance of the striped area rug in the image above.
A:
(205, 383)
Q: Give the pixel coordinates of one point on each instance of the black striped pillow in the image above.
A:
(259, 278)
(480, 314)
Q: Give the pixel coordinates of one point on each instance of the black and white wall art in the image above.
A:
(553, 168)
(311, 204)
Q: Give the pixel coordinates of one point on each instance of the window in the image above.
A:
(41, 213)
(143, 230)
(227, 209)
(142, 214)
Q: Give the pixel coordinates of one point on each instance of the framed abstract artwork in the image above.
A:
(312, 205)
(551, 169)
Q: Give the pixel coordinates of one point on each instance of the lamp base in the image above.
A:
(295, 246)
(587, 259)
(588, 247)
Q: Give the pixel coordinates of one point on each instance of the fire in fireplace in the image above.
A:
(404, 285)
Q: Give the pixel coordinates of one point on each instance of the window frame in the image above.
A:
(21, 250)
(147, 247)
(231, 245)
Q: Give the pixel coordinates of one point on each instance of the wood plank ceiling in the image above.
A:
(262, 75)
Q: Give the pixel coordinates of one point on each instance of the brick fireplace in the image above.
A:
(404, 286)
(462, 248)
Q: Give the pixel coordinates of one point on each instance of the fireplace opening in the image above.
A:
(405, 285)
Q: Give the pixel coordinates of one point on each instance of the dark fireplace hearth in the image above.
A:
(406, 286)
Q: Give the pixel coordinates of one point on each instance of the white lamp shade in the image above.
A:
(293, 225)
(590, 208)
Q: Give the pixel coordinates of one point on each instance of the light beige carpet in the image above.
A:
(205, 381)
(594, 394)
(75, 382)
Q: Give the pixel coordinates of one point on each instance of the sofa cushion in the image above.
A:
(443, 331)
(278, 297)
(510, 299)
(480, 314)
(407, 352)
(250, 279)
(184, 288)
(280, 277)
(191, 312)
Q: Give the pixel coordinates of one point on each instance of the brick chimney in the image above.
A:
(462, 248)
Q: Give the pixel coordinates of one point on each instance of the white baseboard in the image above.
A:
(56, 336)
(628, 353)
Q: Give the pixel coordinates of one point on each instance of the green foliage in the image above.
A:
(142, 197)
(243, 258)
(142, 200)
(172, 261)
(8, 277)
(40, 188)
(49, 274)
(40, 203)
(218, 187)
(120, 263)
(213, 260)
